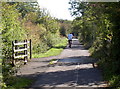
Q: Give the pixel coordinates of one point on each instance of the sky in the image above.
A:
(57, 8)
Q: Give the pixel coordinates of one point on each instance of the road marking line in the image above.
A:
(77, 68)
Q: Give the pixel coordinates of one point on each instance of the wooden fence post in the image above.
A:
(13, 54)
(30, 49)
(16, 47)
(25, 52)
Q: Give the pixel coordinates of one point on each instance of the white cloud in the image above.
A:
(57, 8)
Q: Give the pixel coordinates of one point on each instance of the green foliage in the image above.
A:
(108, 72)
(40, 48)
(20, 83)
(115, 81)
(99, 29)
(65, 27)
(52, 39)
(56, 50)
(25, 7)
(11, 30)
(62, 31)
(11, 26)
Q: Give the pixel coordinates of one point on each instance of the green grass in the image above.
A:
(56, 50)
(51, 52)
(18, 83)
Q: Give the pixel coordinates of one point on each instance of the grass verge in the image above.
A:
(56, 50)
(18, 83)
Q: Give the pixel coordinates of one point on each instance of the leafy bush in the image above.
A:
(12, 29)
(40, 48)
(115, 81)
(56, 50)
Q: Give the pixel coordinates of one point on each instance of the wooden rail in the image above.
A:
(21, 50)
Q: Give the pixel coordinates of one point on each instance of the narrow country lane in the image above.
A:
(72, 69)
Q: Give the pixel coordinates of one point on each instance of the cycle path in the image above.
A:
(72, 69)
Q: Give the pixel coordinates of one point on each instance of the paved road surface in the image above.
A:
(72, 70)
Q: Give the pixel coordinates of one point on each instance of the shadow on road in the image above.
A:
(73, 69)
(67, 77)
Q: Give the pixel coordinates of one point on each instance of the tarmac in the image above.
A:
(72, 69)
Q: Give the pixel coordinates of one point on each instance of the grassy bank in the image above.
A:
(17, 83)
(56, 50)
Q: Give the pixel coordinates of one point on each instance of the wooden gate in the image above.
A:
(21, 51)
